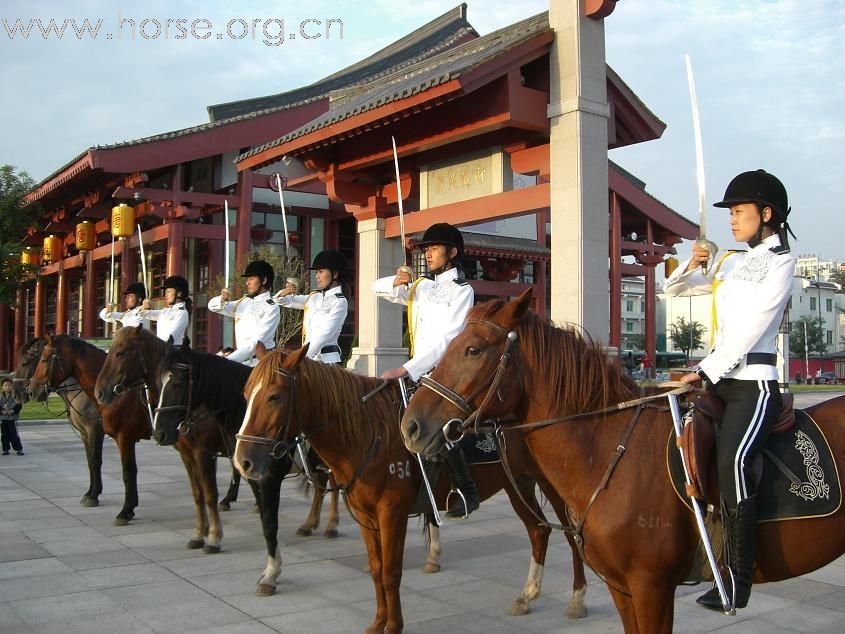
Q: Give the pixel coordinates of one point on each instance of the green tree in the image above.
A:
(686, 336)
(838, 277)
(636, 342)
(815, 336)
(15, 217)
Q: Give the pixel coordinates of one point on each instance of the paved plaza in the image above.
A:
(66, 568)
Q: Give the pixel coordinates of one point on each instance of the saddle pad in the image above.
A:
(805, 451)
(480, 449)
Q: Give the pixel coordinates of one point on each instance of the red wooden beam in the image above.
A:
(176, 197)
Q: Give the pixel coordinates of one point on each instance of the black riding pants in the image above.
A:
(751, 410)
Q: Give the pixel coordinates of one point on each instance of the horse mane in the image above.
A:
(331, 394)
(218, 382)
(78, 347)
(145, 336)
(577, 374)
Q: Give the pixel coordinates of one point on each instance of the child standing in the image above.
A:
(9, 410)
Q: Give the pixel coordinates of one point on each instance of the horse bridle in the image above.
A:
(455, 428)
(187, 423)
(137, 384)
(278, 448)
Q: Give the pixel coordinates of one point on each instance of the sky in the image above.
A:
(770, 80)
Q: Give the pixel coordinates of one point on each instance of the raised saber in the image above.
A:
(284, 215)
(226, 245)
(404, 266)
(146, 292)
(699, 172)
(727, 604)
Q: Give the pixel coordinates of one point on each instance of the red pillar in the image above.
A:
(40, 307)
(4, 337)
(616, 272)
(175, 248)
(20, 318)
(61, 301)
(650, 302)
(244, 223)
(128, 269)
(89, 298)
(540, 278)
(215, 323)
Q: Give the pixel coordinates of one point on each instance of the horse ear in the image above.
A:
(186, 343)
(260, 350)
(513, 311)
(139, 328)
(293, 359)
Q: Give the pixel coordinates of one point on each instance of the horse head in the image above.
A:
(128, 364)
(176, 377)
(270, 418)
(28, 357)
(476, 377)
(53, 367)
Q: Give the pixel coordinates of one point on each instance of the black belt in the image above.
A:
(330, 349)
(761, 358)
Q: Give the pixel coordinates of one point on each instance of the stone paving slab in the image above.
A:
(66, 568)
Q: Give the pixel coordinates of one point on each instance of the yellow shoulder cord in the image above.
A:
(714, 324)
(305, 314)
(410, 313)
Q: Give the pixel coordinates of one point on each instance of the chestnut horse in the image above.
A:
(291, 396)
(64, 358)
(637, 533)
(82, 414)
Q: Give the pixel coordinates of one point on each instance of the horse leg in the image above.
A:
(625, 607)
(201, 529)
(313, 520)
(93, 442)
(373, 541)
(126, 446)
(392, 552)
(270, 489)
(432, 564)
(232, 492)
(332, 522)
(207, 467)
(576, 608)
(654, 605)
(539, 537)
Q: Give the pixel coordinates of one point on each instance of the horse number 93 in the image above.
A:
(400, 469)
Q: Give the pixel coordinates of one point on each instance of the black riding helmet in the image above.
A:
(332, 260)
(261, 269)
(137, 289)
(443, 233)
(765, 190)
(177, 282)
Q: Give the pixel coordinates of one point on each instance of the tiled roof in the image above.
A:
(428, 40)
(417, 78)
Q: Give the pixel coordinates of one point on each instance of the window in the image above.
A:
(828, 305)
(157, 269)
(829, 337)
(812, 303)
(201, 259)
(73, 309)
(629, 306)
(199, 320)
(268, 228)
(629, 327)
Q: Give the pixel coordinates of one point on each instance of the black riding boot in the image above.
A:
(742, 540)
(468, 500)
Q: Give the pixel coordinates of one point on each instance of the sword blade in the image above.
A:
(226, 244)
(699, 152)
(399, 196)
(143, 261)
(284, 214)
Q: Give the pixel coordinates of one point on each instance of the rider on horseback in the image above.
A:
(324, 309)
(174, 319)
(750, 290)
(437, 307)
(256, 316)
(134, 294)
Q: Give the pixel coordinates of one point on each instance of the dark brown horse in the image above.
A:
(637, 533)
(290, 396)
(126, 420)
(82, 414)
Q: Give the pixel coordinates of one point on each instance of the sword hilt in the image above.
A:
(712, 249)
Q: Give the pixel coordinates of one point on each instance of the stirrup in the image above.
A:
(460, 493)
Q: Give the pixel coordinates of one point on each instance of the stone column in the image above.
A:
(379, 321)
(579, 114)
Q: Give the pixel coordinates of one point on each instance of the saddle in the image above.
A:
(698, 440)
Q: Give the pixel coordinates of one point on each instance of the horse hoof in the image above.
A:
(224, 506)
(123, 519)
(430, 568)
(518, 608)
(89, 502)
(265, 590)
(211, 549)
(330, 533)
(196, 543)
(304, 531)
(576, 612)
(255, 509)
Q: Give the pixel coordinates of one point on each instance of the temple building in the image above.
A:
(472, 118)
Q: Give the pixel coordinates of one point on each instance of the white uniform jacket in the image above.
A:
(129, 318)
(256, 319)
(436, 313)
(172, 322)
(750, 291)
(322, 321)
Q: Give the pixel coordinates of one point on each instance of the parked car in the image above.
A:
(827, 378)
